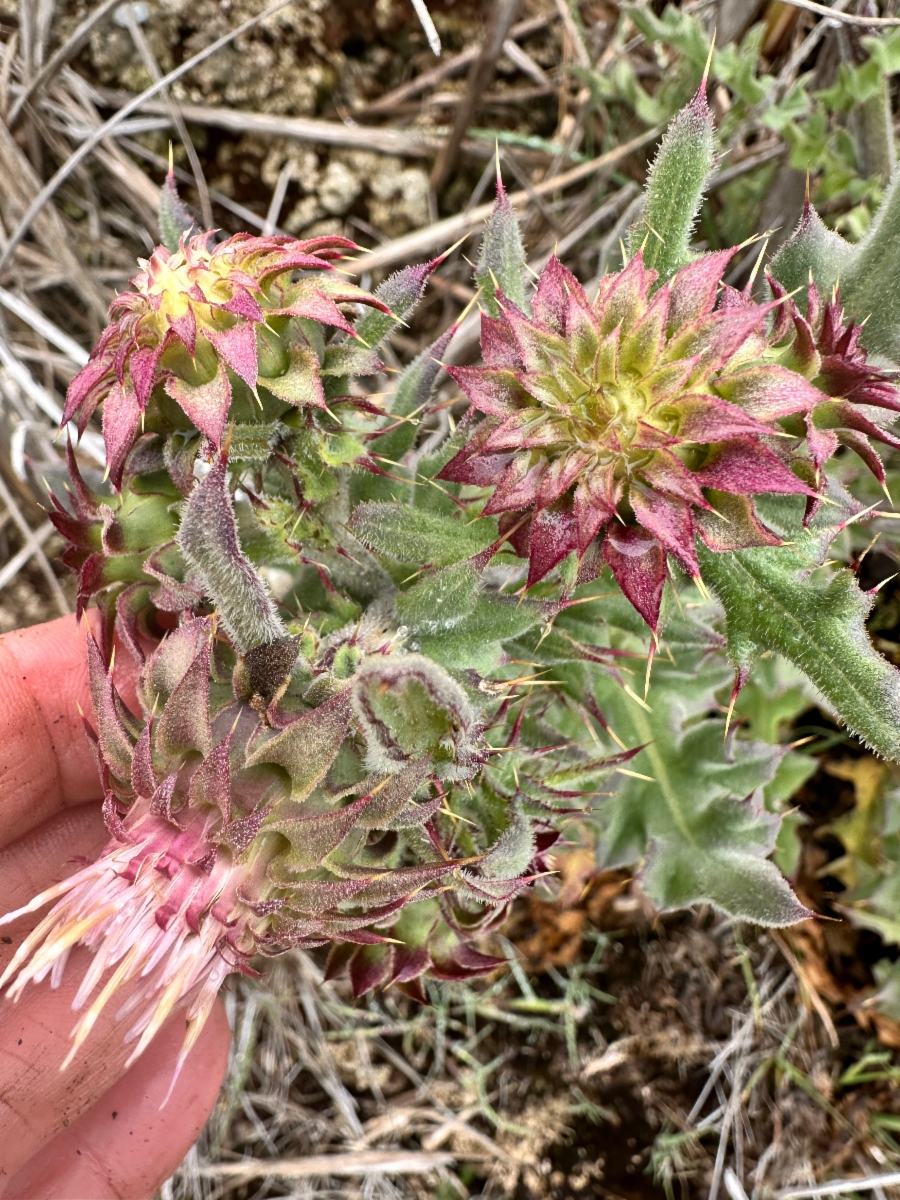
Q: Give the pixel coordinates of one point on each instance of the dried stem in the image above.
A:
(845, 18)
(89, 144)
(482, 72)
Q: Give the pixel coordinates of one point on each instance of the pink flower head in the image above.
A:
(197, 322)
(230, 839)
(824, 346)
(166, 926)
(636, 418)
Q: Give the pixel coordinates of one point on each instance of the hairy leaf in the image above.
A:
(698, 820)
(777, 599)
(417, 536)
(439, 601)
(501, 262)
(307, 747)
(475, 642)
(869, 283)
(209, 539)
(411, 396)
(413, 392)
(401, 292)
(812, 250)
(173, 217)
(675, 188)
(410, 709)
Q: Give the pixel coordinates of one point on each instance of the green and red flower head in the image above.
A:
(825, 348)
(637, 418)
(236, 339)
(124, 545)
(206, 317)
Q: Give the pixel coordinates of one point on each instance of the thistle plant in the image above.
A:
(598, 409)
(453, 678)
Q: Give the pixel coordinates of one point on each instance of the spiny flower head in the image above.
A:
(824, 346)
(167, 920)
(220, 329)
(124, 545)
(638, 417)
(267, 801)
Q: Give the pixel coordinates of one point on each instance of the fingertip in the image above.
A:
(41, 857)
(126, 1146)
(46, 762)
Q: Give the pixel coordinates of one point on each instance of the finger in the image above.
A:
(42, 857)
(126, 1146)
(36, 1099)
(46, 762)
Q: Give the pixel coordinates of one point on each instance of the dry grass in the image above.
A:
(665, 1058)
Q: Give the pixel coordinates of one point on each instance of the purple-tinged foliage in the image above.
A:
(501, 263)
(122, 547)
(353, 735)
(208, 538)
(175, 222)
(615, 418)
(234, 833)
(196, 327)
(824, 346)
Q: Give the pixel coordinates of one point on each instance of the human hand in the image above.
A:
(94, 1131)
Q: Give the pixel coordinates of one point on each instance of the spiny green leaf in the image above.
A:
(411, 397)
(439, 601)
(777, 599)
(512, 852)
(174, 219)
(254, 443)
(674, 28)
(502, 259)
(401, 292)
(417, 536)
(476, 642)
(184, 723)
(697, 820)
(410, 709)
(727, 866)
(352, 357)
(812, 251)
(413, 392)
(307, 747)
(870, 282)
(208, 537)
